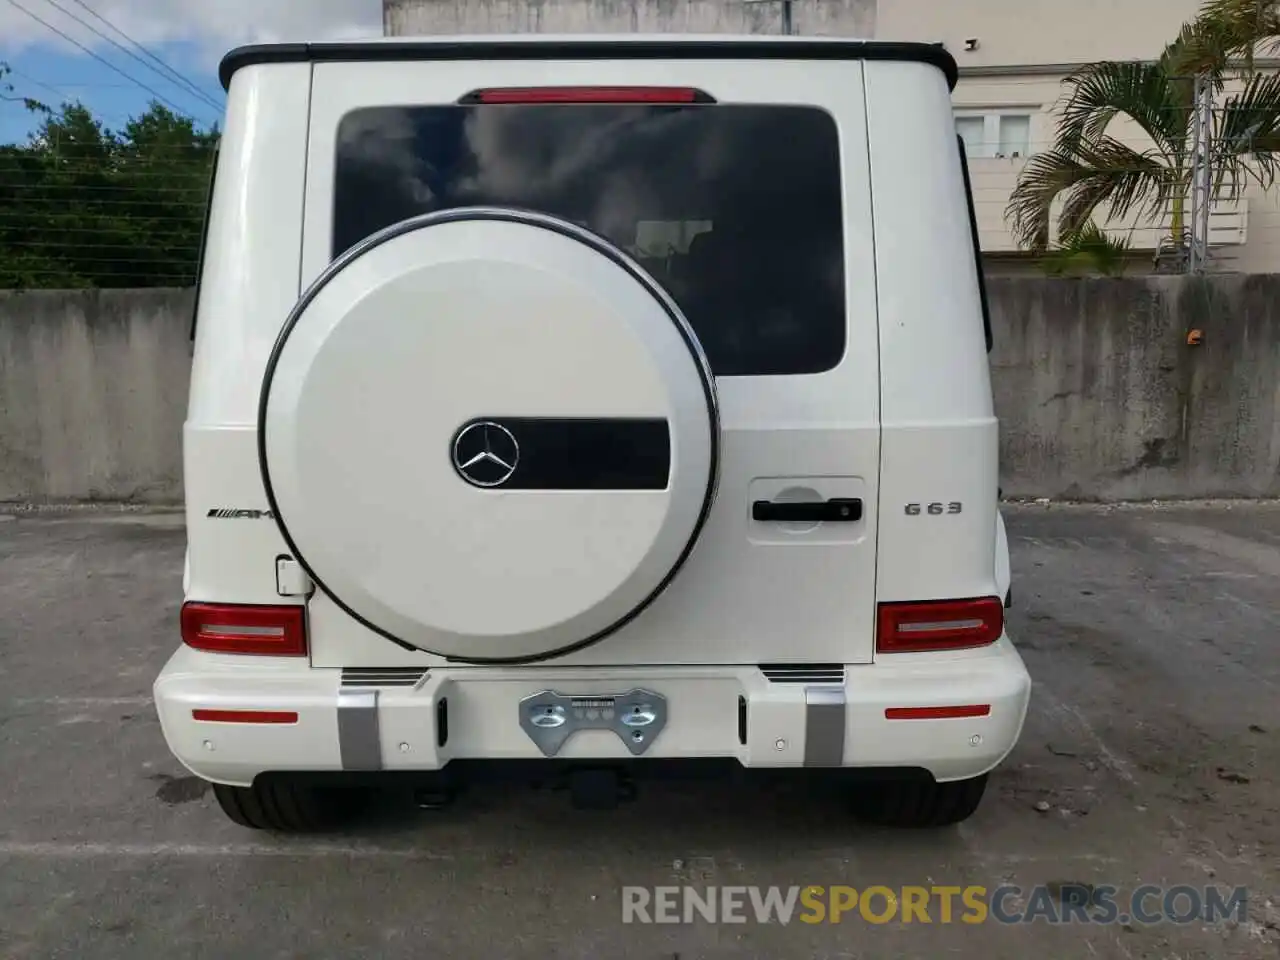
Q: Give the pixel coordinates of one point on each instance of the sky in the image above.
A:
(165, 48)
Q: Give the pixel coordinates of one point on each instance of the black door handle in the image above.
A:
(838, 510)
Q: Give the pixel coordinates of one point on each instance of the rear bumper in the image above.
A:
(422, 721)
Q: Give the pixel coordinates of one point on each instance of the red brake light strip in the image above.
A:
(510, 95)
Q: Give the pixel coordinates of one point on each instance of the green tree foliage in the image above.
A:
(1227, 33)
(1088, 251)
(85, 206)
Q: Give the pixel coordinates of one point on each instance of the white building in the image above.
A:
(1013, 56)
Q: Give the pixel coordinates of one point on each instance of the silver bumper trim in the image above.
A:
(824, 719)
(359, 737)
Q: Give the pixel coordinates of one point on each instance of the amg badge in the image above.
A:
(226, 514)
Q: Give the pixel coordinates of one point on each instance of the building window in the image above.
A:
(995, 134)
(973, 132)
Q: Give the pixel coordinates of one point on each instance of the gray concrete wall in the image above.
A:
(93, 392)
(1099, 395)
(849, 18)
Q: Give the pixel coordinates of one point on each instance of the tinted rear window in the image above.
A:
(736, 210)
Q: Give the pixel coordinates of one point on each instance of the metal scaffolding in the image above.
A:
(1201, 177)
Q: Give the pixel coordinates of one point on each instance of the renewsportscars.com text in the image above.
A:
(1006, 904)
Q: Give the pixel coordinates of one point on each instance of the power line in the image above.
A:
(170, 71)
(105, 62)
(129, 53)
(39, 83)
(61, 93)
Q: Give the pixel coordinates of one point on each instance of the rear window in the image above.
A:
(735, 210)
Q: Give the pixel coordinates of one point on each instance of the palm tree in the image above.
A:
(1092, 171)
(1091, 250)
(1230, 30)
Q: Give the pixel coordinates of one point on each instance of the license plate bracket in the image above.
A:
(550, 718)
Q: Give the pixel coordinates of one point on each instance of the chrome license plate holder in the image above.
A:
(551, 718)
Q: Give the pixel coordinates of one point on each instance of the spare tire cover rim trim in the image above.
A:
(600, 245)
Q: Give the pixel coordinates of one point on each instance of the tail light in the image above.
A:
(276, 631)
(588, 95)
(934, 625)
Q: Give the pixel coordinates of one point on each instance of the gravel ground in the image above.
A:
(1149, 757)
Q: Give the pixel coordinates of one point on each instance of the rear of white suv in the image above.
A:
(590, 403)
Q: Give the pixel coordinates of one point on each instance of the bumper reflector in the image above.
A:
(937, 713)
(245, 716)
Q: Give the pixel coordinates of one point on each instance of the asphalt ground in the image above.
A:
(1150, 757)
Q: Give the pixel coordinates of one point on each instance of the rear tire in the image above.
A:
(284, 807)
(917, 804)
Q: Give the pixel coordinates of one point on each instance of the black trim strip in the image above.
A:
(600, 245)
(204, 237)
(977, 245)
(604, 49)
(563, 453)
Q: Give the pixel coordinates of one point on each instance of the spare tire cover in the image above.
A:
(489, 434)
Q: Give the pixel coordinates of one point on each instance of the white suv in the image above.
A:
(591, 407)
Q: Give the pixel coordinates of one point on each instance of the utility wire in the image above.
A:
(174, 74)
(182, 82)
(63, 95)
(105, 62)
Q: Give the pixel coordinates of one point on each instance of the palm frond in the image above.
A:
(1241, 27)
(1203, 48)
(1249, 120)
(1160, 104)
(1123, 179)
(1045, 176)
(1090, 249)
(1086, 175)
(1246, 134)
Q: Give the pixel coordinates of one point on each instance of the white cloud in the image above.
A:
(215, 25)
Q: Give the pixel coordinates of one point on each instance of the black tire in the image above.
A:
(284, 807)
(920, 803)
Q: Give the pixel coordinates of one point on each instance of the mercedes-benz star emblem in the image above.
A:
(485, 454)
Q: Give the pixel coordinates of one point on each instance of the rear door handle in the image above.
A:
(838, 510)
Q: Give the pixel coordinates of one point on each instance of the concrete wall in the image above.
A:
(849, 18)
(1100, 397)
(93, 392)
(1098, 393)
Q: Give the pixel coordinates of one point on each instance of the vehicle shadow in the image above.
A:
(719, 820)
